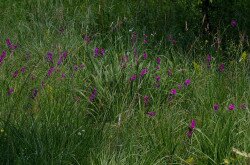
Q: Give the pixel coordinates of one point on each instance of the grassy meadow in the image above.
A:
(94, 82)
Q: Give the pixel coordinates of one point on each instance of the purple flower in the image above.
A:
(233, 23)
(187, 82)
(10, 45)
(2, 57)
(87, 39)
(34, 93)
(62, 57)
(10, 91)
(63, 75)
(173, 92)
(231, 107)
(50, 71)
(146, 100)
(102, 53)
(216, 107)
(75, 67)
(170, 72)
(144, 72)
(158, 67)
(209, 58)
(158, 60)
(23, 70)
(50, 57)
(133, 77)
(158, 78)
(93, 95)
(145, 55)
(191, 128)
(96, 52)
(145, 41)
(151, 114)
(179, 86)
(15, 74)
(222, 67)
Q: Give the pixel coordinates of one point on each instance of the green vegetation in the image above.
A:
(124, 82)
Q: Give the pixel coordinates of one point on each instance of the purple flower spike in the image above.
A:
(146, 100)
(158, 60)
(10, 45)
(144, 72)
(233, 23)
(216, 107)
(102, 53)
(34, 93)
(50, 57)
(133, 78)
(2, 57)
(10, 91)
(191, 128)
(145, 55)
(93, 95)
(50, 71)
(187, 82)
(170, 72)
(173, 92)
(222, 67)
(23, 70)
(96, 52)
(15, 74)
(158, 78)
(179, 86)
(151, 114)
(209, 58)
(231, 107)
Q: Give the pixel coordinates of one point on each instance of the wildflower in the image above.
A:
(34, 93)
(133, 77)
(144, 72)
(87, 39)
(145, 55)
(151, 114)
(145, 41)
(23, 70)
(216, 107)
(146, 100)
(179, 86)
(10, 91)
(63, 75)
(62, 57)
(15, 74)
(2, 57)
(96, 52)
(10, 45)
(50, 57)
(170, 72)
(222, 67)
(233, 23)
(157, 67)
(231, 107)
(75, 67)
(158, 60)
(158, 78)
(209, 58)
(187, 82)
(173, 92)
(50, 71)
(191, 128)
(93, 95)
(102, 52)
